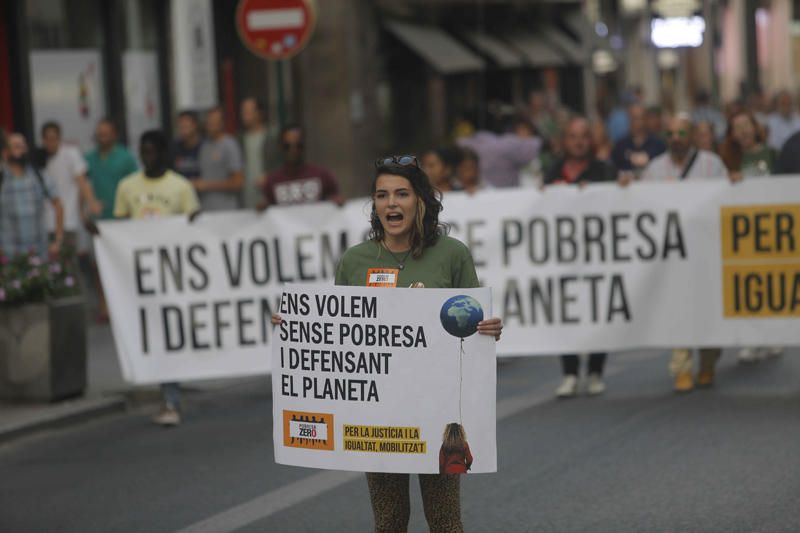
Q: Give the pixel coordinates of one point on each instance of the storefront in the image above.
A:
(78, 61)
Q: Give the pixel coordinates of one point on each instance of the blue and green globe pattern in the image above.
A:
(460, 316)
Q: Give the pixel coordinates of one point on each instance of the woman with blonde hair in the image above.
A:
(454, 455)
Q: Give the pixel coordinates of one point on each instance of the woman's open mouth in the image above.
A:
(394, 219)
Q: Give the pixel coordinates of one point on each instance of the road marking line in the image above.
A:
(309, 487)
(272, 502)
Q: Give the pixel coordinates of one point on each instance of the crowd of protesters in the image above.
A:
(48, 194)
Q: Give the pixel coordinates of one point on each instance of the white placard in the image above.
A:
(372, 380)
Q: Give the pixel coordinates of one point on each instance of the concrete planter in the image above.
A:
(43, 350)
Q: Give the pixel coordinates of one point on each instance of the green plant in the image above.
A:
(27, 278)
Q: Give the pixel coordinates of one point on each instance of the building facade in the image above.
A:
(378, 76)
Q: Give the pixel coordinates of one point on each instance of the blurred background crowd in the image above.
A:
(486, 94)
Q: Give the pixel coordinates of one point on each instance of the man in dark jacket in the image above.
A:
(580, 166)
(633, 152)
(789, 158)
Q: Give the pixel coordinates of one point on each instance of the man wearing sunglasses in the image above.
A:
(298, 182)
(684, 161)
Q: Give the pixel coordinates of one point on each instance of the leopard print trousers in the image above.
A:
(441, 501)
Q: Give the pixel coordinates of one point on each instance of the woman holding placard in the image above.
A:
(408, 247)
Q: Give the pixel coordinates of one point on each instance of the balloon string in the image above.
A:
(460, 381)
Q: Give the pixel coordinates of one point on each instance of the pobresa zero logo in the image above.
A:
(312, 431)
(761, 261)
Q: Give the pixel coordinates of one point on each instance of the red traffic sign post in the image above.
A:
(275, 29)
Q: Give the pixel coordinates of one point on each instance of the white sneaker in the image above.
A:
(761, 353)
(775, 351)
(596, 385)
(167, 417)
(568, 387)
(748, 355)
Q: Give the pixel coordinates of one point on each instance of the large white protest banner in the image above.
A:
(571, 270)
(653, 265)
(384, 380)
(193, 300)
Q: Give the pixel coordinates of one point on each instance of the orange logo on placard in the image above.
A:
(382, 277)
(312, 431)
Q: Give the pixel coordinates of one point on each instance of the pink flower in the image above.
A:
(35, 260)
(69, 281)
(2, 295)
(55, 268)
(16, 284)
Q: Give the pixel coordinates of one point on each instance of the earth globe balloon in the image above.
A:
(460, 316)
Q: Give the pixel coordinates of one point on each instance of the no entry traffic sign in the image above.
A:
(275, 29)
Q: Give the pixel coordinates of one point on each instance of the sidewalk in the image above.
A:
(106, 392)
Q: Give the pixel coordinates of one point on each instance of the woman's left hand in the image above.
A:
(492, 327)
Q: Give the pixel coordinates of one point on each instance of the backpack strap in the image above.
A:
(42, 184)
(689, 165)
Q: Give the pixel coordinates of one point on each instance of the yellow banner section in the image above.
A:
(765, 232)
(381, 432)
(385, 446)
(761, 291)
(761, 261)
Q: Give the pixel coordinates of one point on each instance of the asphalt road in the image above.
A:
(637, 459)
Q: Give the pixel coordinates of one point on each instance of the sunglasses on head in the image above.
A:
(400, 160)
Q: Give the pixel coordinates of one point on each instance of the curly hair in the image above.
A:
(426, 229)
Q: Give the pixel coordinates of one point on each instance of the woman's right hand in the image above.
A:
(276, 319)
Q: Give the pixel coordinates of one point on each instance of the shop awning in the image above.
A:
(437, 48)
(572, 49)
(537, 51)
(495, 48)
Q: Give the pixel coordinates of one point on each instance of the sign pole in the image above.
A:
(276, 30)
(281, 97)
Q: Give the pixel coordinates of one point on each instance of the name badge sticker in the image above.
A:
(382, 277)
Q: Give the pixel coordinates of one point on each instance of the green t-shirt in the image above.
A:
(446, 264)
(105, 173)
(758, 163)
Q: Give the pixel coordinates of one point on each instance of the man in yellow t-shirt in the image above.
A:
(155, 192)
